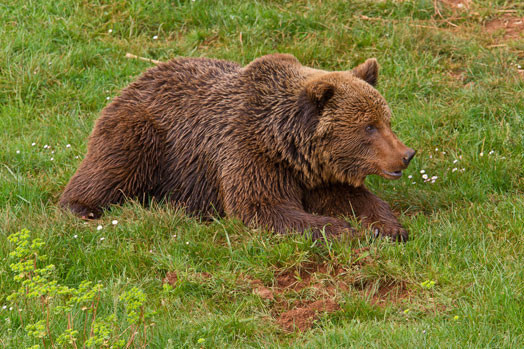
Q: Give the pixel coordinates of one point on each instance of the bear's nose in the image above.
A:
(410, 153)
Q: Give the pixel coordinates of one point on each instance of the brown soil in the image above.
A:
(171, 278)
(322, 283)
(205, 275)
(362, 256)
(302, 318)
(261, 290)
(298, 278)
(513, 27)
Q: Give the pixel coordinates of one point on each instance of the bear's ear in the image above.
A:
(367, 71)
(319, 93)
(311, 102)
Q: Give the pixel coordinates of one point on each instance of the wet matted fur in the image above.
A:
(274, 143)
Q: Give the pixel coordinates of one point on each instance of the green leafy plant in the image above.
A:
(38, 289)
(428, 284)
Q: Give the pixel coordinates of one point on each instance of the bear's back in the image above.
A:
(192, 99)
(165, 87)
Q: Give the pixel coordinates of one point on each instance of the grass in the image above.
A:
(452, 88)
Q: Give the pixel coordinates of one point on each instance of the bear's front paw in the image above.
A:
(395, 232)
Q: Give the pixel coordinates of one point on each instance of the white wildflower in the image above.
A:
(454, 169)
(422, 171)
(114, 222)
(155, 37)
(425, 176)
(99, 227)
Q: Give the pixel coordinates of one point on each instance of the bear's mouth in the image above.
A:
(392, 175)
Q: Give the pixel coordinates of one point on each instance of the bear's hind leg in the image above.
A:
(88, 192)
(123, 161)
(82, 211)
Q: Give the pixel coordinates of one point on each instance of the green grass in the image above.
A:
(449, 88)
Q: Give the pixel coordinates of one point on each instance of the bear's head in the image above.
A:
(352, 127)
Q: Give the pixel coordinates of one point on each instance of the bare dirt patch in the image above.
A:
(299, 295)
(324, 284)
(302, 318)
(363, 257)
(171, 278)
(301, 277)
(261, 290)
(318, 280)
(512, 27)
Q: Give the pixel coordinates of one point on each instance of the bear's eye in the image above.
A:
(370, 128)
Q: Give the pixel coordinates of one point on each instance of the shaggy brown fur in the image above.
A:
(274, 143)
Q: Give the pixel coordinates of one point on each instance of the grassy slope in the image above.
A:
(59, 63)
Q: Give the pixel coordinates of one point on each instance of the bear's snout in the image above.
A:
(393, 155)
(410, 153)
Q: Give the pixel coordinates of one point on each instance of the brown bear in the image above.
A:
(276, 144)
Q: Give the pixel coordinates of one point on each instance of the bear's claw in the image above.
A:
(396, 233)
